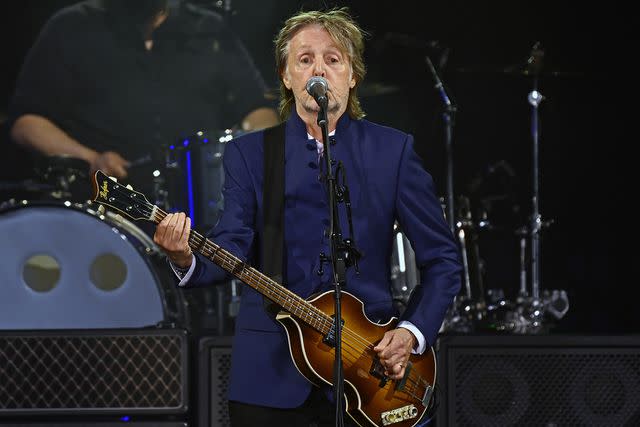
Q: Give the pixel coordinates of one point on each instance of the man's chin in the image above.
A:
(313, 107)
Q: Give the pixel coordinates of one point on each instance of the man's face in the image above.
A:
(312, 52)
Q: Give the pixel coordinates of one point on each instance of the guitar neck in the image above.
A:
(263, 284)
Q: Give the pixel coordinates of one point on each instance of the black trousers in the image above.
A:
(316, 411)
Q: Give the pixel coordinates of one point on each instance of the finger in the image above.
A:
(160, 229)
(393, 361)
(398, 372)
(393, 368)
(187, 233)
(391, 350)
(115, 166)
(171, 230)
(178, 228)
(120, 171)
(383, 343)
(165, 226)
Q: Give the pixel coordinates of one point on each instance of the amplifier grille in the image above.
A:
(107, 371)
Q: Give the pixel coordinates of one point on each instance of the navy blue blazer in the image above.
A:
(387, 183)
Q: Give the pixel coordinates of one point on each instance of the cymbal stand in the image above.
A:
(535, 98)
(448, 115)
(534, 304)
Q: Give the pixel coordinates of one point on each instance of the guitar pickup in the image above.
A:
(377, 371)
(330, 338)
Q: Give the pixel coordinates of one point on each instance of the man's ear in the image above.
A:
(286, 80)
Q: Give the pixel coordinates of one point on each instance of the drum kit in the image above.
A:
(527, 309)
(189, 178)
(56, 235)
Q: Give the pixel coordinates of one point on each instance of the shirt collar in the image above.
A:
(309, 136)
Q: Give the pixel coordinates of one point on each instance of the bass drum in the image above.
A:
(66, 266)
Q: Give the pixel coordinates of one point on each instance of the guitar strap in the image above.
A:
(273, 207)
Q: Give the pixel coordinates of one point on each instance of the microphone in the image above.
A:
(317, 87)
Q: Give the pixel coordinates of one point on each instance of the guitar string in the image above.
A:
(308, 316)
(231, 261)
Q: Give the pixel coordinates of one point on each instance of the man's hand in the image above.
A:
(394, 350)
(172, 235)
(111, 163)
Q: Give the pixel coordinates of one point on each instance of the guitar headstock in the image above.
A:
(108, 192)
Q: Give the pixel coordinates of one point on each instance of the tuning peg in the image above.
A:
(129, 186)
(113, 178)
(101, 210)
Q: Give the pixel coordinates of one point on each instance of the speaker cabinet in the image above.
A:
(214, 367)
(538, 380)
(75, 423)
(93, 372)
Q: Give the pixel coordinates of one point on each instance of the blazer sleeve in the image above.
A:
(437, 256)
(235, 230)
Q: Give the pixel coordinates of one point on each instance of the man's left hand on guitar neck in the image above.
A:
(172, 235)
(394, 350)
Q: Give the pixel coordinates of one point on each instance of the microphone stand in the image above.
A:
(448, 116)
(341, 255)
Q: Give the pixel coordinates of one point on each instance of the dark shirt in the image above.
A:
(89, 73)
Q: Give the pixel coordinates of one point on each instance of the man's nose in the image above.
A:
(318, 69)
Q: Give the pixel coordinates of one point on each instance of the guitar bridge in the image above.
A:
(398, 415)
(330, 338)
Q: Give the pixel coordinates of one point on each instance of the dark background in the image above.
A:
(586, 82)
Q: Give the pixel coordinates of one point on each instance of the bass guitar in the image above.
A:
(372, 399)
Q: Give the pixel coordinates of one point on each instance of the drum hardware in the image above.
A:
(501, 315)
(534, 310)
(469, 307)
(195, 176)
(68, 176)
(448, 115)
(404, 271)
(159, 190)
(534, 306)
(28, 188)
(146, 169)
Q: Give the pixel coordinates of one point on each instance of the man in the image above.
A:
(387, 183)
(114, 81)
